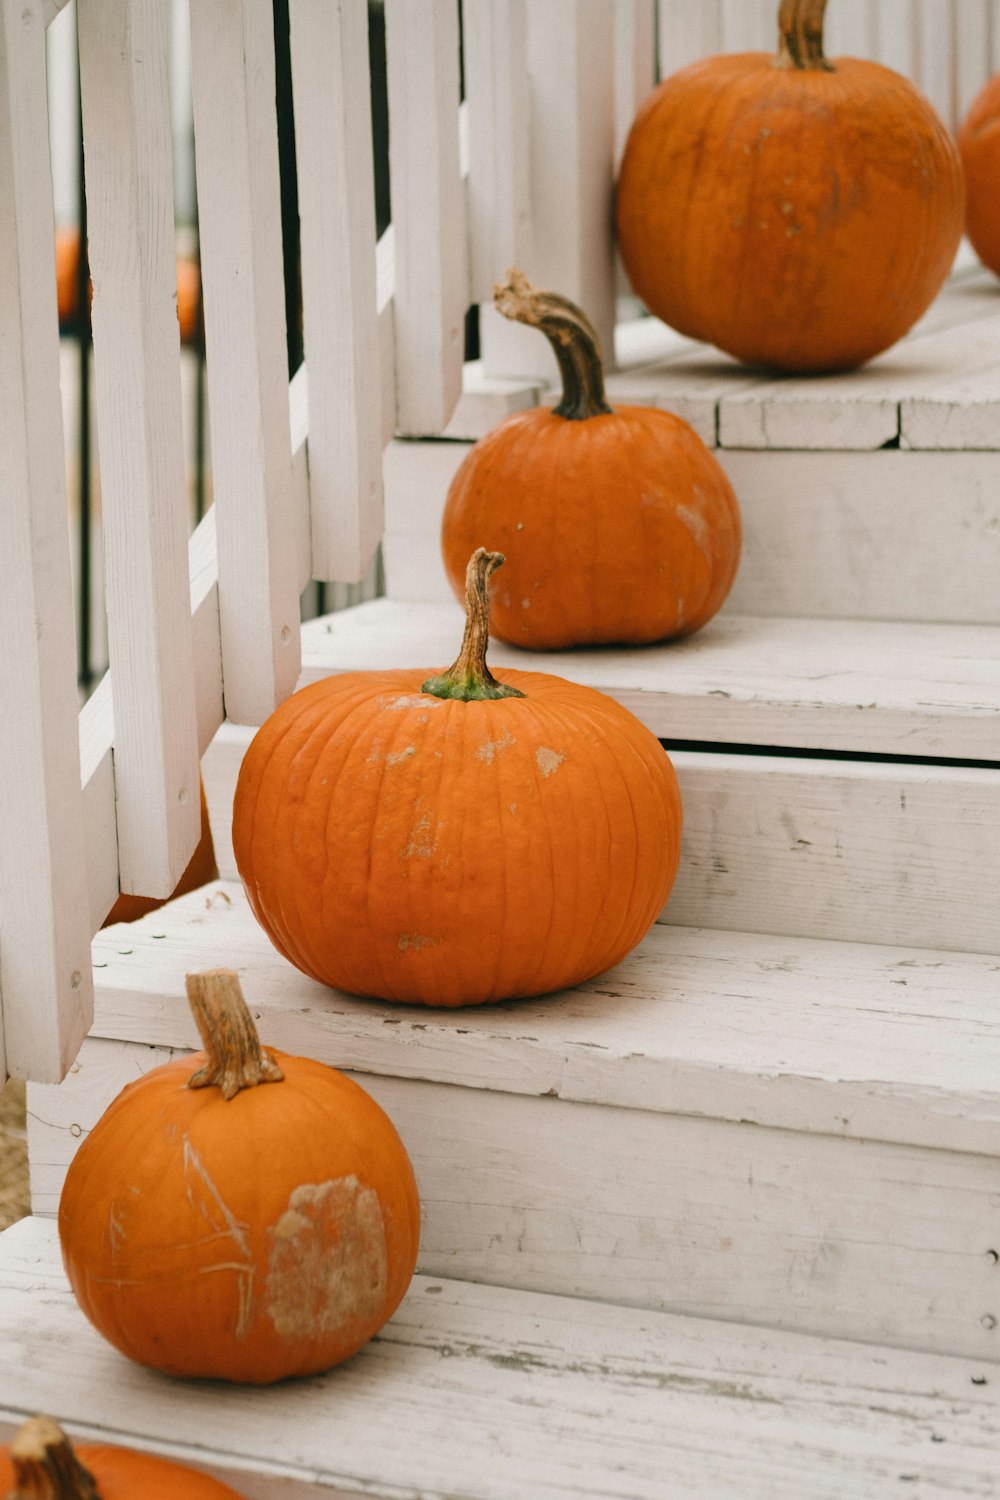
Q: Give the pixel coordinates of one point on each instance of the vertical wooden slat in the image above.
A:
(688, 30)
(130, 202)
(973, 35)
(45, 974)
(333, 143)
(748, 26)
(850, 29)
(428, 212)
(896, 37)
(571, 73)
(635, 63)
(935, 54)
(499, 184)
(236, 150)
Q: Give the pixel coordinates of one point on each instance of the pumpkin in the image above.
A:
(457, 839)
(796, 212)
(200, 869)
(67, 286)
(254, 1219)
(639, 514)
(42, 1464)
(979, 146)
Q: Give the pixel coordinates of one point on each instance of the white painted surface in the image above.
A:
(688, 30)
(495, 38)
(130, 197)
(240, 229)
(333, 145)
(556, 1398)
(44, 937)
(431, 288)
(635, 63)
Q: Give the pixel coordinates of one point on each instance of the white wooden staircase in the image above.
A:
(724, 1222)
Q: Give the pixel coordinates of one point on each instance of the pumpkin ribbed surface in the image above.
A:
(979, 144)
(795, 217)
(639, 514)
(121, 1474)
(245, 1239)
(424, 849)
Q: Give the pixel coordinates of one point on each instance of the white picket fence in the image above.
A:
(205, 629)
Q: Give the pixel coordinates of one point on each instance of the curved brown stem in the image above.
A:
(45, 1466)
(800, 35)
(234, 1058)
(468, 677)
(573, 339)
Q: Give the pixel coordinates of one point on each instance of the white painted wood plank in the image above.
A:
(384, 273)
(333, 146)
(895, 36)
(431, 288)
(688, 30)
(972, 38)
(935, 61)
(495, 38)
(240, 229)
(130, 198)
(871, 1043)
(849, 30)
(45, 980)
(635, 64)
(571, 70)
(748, 26)
(486, 401)
(640, 1404)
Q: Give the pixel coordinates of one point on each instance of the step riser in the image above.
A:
(827, 535)
(853, 852)
(856, 1239)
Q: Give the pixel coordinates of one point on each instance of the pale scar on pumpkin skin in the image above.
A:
(412, 942)
(547, 760)
(421, 845)
(491, 748)
(224, 1225)
(328, 1264)
(401, 755)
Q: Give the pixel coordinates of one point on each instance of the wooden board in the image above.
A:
(855, 1238)
(557, 1398)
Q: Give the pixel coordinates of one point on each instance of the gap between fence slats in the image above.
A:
(333, 144)
(130, 200)
(45, 976)
(428, 212)
(232, 47)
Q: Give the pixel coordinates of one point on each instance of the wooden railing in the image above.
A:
(522, 172)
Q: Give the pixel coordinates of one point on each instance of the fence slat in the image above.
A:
(635, 63)
(972, 56)
(333, 145)
(130, 201)
(236, 152)
(896, 37)
(428, 212)
(495, 41)
(935, 54)
(571, 71)
(748, 26)
(45, 974)
(688, 30)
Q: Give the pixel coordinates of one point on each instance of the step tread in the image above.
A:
(881, 687)
(847, 1039)
(494, 1394)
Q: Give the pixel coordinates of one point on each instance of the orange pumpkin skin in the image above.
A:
(200, 869)
(641, 516)
(796, 218)
(979, 145)
(122, 1474)
(246, 1239)
(447, 853)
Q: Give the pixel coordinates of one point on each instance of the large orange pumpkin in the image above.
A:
(42, 1464)
(256, 1219)
(796, 212)
(200, 869)
(618, 527)
(458, 839)
(979, 145)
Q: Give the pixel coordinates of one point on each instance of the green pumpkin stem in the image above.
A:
(469, 678)
(800, 35)
(45, 1466)
(234, 1058)
(573, 339)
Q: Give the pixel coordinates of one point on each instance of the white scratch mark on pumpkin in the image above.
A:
(328, 1265)
(695, 523)
(414, 941)
(414, 700)
(489, 749)
(548, 760)
(401, 755)
(212, 1210)
(421, 845)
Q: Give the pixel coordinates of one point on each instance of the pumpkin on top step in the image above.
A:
(797, 212)
(253, 1219)
(42, 1464)
(618, 526)
(455, 839)
(979, 145)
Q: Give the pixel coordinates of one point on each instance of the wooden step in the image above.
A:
(498, 1395)
(796, 1134)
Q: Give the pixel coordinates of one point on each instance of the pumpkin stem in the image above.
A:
(800, 35)
(469, 678)
(45, 1466)
(234, 1058)
(573, 339)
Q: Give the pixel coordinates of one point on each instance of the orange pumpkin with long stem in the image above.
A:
(798, 213)
(254, 1219)
(457, 839)
(42, 1464)
(618, 526)
(979, 145)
